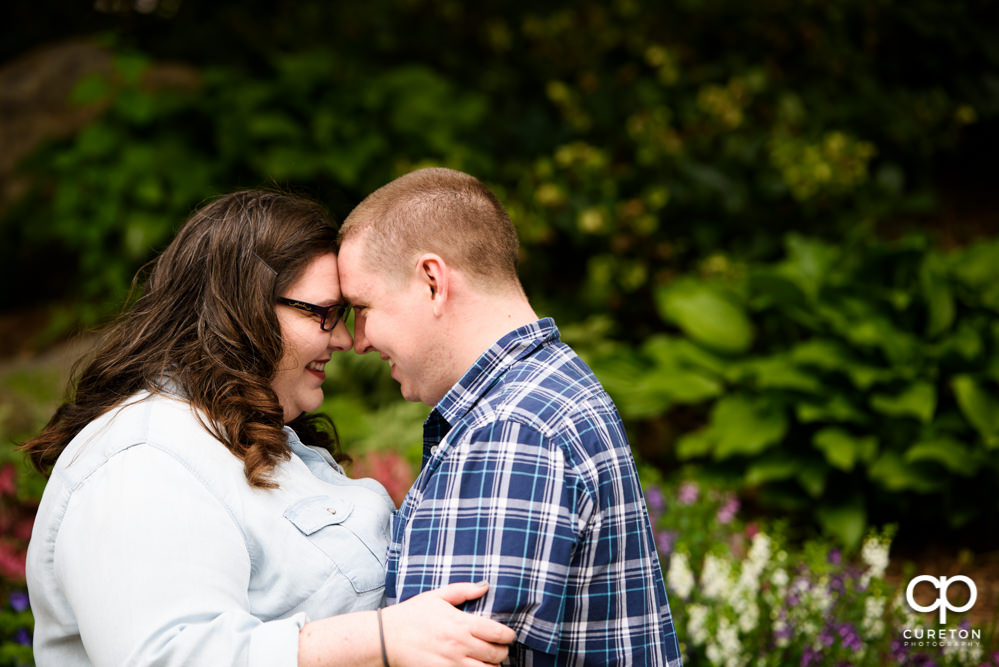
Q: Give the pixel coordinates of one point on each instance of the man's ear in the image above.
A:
(435, 277)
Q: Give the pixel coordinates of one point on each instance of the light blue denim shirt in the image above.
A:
(150, 547)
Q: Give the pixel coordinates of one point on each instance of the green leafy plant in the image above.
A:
(113, 196)
(853, 383)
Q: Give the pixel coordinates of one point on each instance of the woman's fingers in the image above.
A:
(485, 629)
(490, 654)
(428, 630)
(455, 594)
(490, 631)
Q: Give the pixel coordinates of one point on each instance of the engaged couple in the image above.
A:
(196, 512)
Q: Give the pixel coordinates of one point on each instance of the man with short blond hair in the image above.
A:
(527, 480)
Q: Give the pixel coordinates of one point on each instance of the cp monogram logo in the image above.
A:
(943, 601)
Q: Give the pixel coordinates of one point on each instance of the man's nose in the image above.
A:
(361, 344)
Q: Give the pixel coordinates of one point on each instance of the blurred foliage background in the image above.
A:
(768, 226)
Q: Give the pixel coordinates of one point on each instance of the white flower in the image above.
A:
(968, 653)
(873, 625)
(756, 561)
(780, 631)
(820, 596)
(697, 618)
(680, 577)
(875, 554)
(716, 577)
(759, 553)
(749, 615)
(728, 641)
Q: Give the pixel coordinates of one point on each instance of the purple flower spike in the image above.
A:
(656, 500)
(23, 637)
(664, 541)
(19, 600)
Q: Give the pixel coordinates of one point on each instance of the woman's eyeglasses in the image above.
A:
(328, 315)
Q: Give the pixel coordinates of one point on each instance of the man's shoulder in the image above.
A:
(554, 371)
(548, 390)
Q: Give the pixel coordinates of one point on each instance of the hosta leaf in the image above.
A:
(895, 474)
(845, 521)
(843, 450)
(706, 314)
(946, 451)
(979, 406)
(918, 400)
(746, 426)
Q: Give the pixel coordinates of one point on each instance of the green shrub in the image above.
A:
(856, 384)
(113, 196)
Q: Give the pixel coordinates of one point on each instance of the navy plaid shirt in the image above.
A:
(528, 482)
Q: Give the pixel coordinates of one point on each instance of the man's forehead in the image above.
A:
(352, 277)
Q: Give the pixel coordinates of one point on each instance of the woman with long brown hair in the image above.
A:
(196, 513)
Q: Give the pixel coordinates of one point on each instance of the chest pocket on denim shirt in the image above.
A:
(333, 527)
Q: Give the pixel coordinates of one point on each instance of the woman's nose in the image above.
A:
(340, 339)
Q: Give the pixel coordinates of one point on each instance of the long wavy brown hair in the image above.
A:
(205, 320)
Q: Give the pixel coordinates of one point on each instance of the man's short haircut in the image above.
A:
(442, 211)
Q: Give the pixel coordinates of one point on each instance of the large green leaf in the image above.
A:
(918, 400)
(771, 467)
(836, 408)
(707, 314)
(768, 287)
(695, 444)
(809, 262)
(683, 353)
(940, 306)
(975, 268)
(845, 521)
(964, 343)
(812, 476)
(778, 372)
(895, 474)
(843, 450)
(741, 425)
(979, 406)
(948, 452)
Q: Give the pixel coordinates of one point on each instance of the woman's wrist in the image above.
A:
(381, 638)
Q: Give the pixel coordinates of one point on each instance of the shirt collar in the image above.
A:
(318, 460)
(489, 367)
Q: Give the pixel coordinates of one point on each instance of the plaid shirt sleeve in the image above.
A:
(500, 505)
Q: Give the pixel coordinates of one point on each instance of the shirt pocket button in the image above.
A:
(328, 525)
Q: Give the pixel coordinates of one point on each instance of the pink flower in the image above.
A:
(22, 528)
(12, 561)
(389, 468)
(728, 510)
(8, 480)
(688, 493)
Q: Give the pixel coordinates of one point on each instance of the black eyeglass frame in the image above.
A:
(338, 311)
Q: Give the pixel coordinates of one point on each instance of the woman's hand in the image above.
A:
(428, 630)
